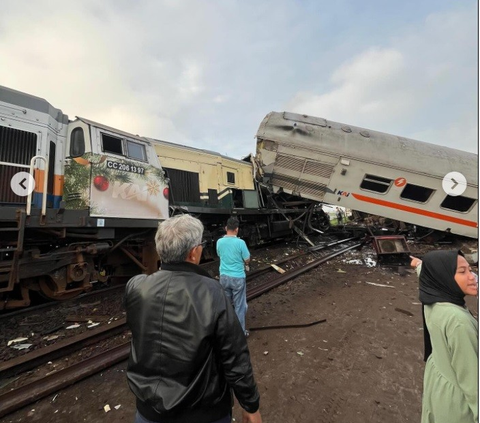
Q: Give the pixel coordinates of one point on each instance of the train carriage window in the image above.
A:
(111, 144)
(376, 183)
(77, 143)
(230, 177)
(458, 203)
(136, 151)
(416, 193)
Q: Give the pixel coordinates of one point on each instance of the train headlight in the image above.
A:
(166, 191)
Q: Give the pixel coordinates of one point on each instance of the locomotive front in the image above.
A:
(79, 202)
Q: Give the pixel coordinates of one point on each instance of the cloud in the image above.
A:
(206, 73)
(421, 84)
(365, 90)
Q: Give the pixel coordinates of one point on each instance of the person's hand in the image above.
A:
(247, 268)
(251, 417)
(415, 262)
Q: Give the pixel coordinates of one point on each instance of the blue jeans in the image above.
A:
(236, 290)
(140, 419)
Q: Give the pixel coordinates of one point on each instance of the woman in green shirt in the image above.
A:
(450, 386)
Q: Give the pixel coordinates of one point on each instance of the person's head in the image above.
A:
(464, 277)
(179, 239)
(446, 277)
(232, 224)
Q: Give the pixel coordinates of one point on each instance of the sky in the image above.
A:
(204, 73)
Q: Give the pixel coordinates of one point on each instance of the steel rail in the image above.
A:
(42, 355)
(13, 400)
(261, 289)
(268, 268)
(20, 397)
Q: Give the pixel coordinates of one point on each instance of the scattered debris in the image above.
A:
(380, 284)
(76, 318)
(92, 325)
(369, 262)
(16, 341)
(75, 326)
(50, 338)
(117, 406)
(354, 261)
(277, 268)
(300, 353)
(265, 353)
(21, 346)
(107, 408)
(341, 271)
(401, 310)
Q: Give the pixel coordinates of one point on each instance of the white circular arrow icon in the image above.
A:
(454, 184)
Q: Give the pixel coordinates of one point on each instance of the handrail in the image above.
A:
(45, 183)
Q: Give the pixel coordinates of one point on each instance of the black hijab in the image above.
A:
(438, 285)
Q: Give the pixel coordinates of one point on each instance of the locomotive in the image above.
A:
(79, 202)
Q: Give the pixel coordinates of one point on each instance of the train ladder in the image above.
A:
(11, 267)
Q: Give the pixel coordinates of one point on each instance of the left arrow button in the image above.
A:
(22, 184)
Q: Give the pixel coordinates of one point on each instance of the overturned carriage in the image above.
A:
(369, 171)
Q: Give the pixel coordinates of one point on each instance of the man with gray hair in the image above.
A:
(188, 351)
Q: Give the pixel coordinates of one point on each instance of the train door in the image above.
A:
(76, 193)
(229, 178)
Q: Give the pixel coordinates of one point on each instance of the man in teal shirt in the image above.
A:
(234, 259)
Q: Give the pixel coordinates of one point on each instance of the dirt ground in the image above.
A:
(364, 364)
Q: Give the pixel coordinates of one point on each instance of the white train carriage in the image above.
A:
(369, 171)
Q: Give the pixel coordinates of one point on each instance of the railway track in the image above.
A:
(259, 281)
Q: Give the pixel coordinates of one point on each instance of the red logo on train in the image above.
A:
(400, 182)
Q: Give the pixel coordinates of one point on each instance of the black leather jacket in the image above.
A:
(187, 348)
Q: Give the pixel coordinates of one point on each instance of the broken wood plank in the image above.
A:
(277, 268)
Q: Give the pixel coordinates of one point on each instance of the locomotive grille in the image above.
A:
(16, 147)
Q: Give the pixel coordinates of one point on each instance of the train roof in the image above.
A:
(31, 102)
(199, 150)
(348, 141)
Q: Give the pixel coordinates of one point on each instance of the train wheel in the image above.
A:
(53, 291)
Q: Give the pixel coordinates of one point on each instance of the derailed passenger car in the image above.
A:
(368, 171)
